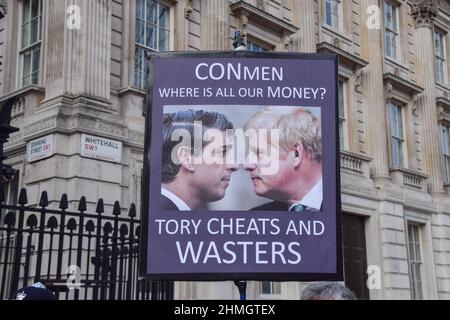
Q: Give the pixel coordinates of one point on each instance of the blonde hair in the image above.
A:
(296, 125)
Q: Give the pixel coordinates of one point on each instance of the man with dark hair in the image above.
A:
(194, 167)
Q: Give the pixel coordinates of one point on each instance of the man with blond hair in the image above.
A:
(297, 184)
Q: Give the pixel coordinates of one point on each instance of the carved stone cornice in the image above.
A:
(246, 12)
(393, 82)
(444, 5)
(424, 12)
(443, 109)
(188, 8)
(3, 8)
(260, 4)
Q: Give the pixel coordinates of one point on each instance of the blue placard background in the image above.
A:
(320, 255)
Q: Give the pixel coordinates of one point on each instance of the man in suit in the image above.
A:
(297, 184)
(194, 165)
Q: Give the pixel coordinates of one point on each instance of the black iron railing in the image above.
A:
(78, 255)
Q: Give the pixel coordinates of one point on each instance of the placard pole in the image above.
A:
(242, 287)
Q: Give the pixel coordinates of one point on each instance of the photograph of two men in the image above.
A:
(242, 158)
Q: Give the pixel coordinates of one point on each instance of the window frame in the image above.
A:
(31, 48)
(337, 12)
(343, 118)
(143, 47)
(392, 30)
(415, 246)
(401, 163)
(441, 57)
(445, 145)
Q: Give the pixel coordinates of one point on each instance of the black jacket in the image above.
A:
(167, 204)
(277, 206)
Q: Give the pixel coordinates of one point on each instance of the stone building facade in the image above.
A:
(79, 67)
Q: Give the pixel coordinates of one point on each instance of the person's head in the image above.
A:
(37, 291)
(327, 291)
(195, 145)
(297, 151)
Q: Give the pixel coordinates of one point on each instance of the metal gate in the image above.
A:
(78, 255)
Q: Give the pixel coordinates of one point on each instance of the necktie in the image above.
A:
(297, 208)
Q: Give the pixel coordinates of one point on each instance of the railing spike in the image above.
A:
(23, 199)
(82, 204)
(100, 207)
(44, 199)
(116, 210)
(64, 204)
(132, 212)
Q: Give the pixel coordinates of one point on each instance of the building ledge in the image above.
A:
(23, 92)
(443, 102)
(409, 178)
(443, 108)
(346, 58)
(402, 84)
(130, 90)
(261, 17)
(355, 163)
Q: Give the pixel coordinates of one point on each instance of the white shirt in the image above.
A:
(181, 205)
(313, 199)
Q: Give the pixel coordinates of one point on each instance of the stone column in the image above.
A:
(215, 33)
(303, 17)
(78, 60)
(374, 95)
(423, 15)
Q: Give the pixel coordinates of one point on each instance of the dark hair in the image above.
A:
(185, 120)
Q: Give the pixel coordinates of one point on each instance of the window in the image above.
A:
(397, 135)
(270, 288)
(355, 257)
(441, 64)
(415, 261)
(251, 46)
(342, 112)
(332, 13)
(152, 34)
(445, 141)
(391, 29)
(31, 35)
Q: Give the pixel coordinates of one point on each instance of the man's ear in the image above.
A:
(297, 154)
(186, 158)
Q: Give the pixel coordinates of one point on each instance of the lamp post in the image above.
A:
(7, 173)
(239, 43)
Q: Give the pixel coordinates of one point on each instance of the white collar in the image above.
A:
(180, 204)
(313, 199)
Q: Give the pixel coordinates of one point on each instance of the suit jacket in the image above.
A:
(278, 206)
(272, 206)
(167, 204)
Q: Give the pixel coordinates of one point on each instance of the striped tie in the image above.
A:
(297, 208)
